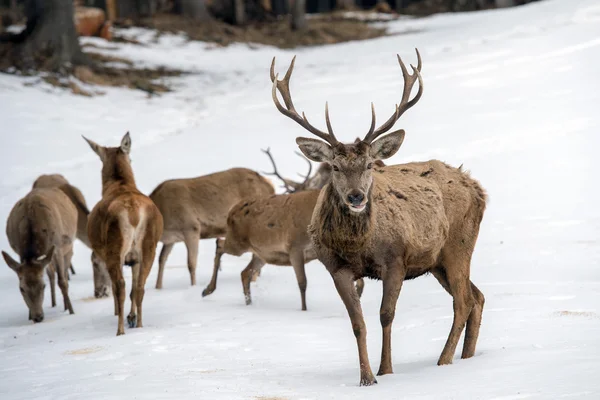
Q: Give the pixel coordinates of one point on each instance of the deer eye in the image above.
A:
(335, 168)
(370, 165)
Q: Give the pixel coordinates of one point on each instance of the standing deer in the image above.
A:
(393, 224)
(124, 228)
(101, 278)
(197, 208)
(275, 230)
(41, 229)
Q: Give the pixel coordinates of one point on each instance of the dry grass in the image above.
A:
(85, 350)
(586, 314)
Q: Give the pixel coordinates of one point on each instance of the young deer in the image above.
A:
(394, 223)
(41, 229)
(101, 278)
(274, 229)
(197, 208)
(124, 228)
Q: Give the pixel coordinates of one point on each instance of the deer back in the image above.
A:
(208, 198)
(43, 218)
(60, 182)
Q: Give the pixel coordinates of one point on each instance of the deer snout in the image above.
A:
(38, 318)
(355, 198)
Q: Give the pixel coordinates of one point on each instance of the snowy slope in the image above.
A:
(512, 94)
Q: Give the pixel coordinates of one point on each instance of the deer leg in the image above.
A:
(52, 278)
(255, 264)
(162, 260)
(114, 267)
(473, 323)
(360, 286)
(474, 320)
(459, 286)
(392, 283)
(297, 259)
(72, 269)
(147, 260)
(63, 282)
(191, 239)
(115, 297)
(344, 283)
(135, 275)
(212, 285)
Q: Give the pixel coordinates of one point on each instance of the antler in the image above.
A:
(405, 104)
(288, 188)
(289, 111)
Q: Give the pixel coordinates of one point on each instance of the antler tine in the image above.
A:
(405, 104)
(307, 177)
(275, 172)
(290, 111)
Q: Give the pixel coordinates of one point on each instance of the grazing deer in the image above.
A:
(101, 278)
(394, 223)
(197, 208)
(41, 229)
(124, 228)
(274, 229)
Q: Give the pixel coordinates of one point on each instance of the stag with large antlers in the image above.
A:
(393, 223)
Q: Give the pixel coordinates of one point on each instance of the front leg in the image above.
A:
(344, 283)
(392, 283)
(52, 279)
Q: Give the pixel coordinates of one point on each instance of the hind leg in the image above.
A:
(473, 323)
(191, 239)
(254, 265)
(474, 320)
(149, 252)
(115, 270)
(457, 283)
(360, 286)
(135, 273)
(162, 260)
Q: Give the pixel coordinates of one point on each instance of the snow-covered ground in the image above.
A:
(512, 94)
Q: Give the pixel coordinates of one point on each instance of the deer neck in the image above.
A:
(117, 174)
(344, 232)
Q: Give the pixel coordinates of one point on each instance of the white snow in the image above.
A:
(512, 94)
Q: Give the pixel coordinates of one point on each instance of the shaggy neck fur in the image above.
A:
(340, 229)
(117, 171)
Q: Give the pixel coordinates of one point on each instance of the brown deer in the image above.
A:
(41, 229)
(101, 278)
(124, 228)
(274, 229)
(197, 208)
(392, 223)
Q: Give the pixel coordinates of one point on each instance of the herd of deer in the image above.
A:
(356, 215)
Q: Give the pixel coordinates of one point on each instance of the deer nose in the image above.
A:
(355, 198)
(38, 318)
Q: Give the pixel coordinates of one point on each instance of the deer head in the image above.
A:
(116, 163)
(289, 185)
(31, 281)
(351, 163)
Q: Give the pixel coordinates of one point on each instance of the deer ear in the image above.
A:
(96, 147)
(12, 263)
(387, 146)
(126, 143)
(315, 150)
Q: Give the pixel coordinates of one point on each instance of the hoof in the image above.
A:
(132, 320)
(119, 333)
(368, 381)
(382, 372)
(100, 293)
(248, 301)
(207, 291)
(444, 362)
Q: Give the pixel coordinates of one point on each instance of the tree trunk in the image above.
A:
(49, 40)
(505, 3)
(280, 7)
(345, 4)
(298, 15)
(239, 12)
(193, 9)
